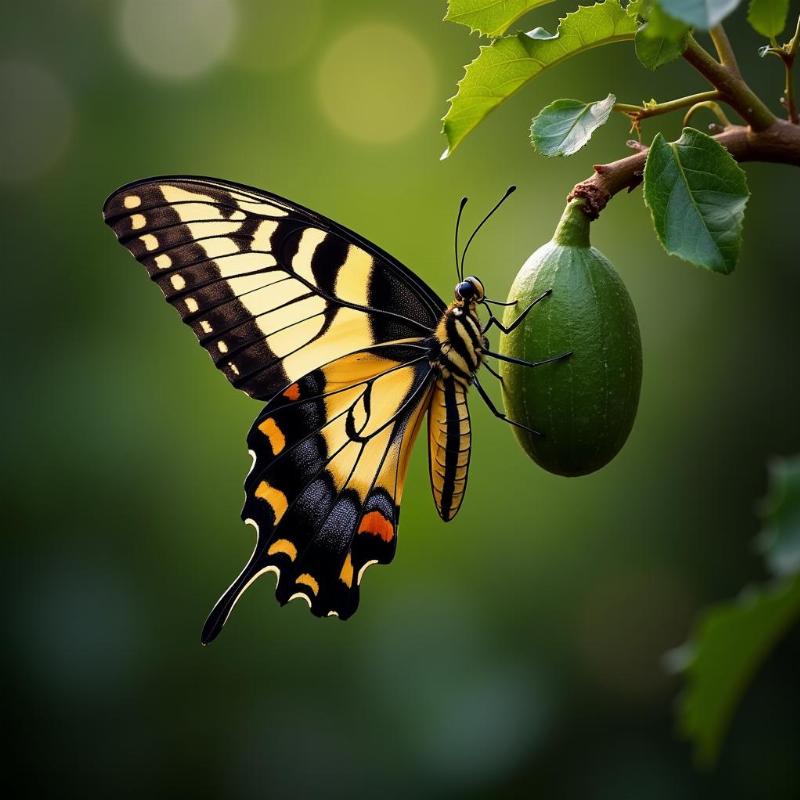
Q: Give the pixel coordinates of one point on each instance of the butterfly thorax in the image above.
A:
(457, 343)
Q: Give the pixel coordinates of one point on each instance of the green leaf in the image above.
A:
(703, 14)
(634, 8)
(661, 39)
(768, 17)
(490, 17)
(780, 536)
(564, 126)
(507, 64)
(730, 643)
(696, 194)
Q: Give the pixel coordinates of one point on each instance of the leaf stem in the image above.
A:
(724, 49)
(780, 143)
(638, 113)
(731, 86)
(713, 107)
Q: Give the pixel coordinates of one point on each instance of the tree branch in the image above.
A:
(764, 138)
(731, 86)
(788, 91)
(780, 143)
(786, 53)
(788, 56)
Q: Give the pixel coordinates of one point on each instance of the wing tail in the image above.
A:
(330, 457)
(256, 566)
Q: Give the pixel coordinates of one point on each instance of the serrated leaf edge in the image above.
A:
(561, 20)
(499, 32)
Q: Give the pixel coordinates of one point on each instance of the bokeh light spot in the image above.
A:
(38, 119)
(376, 83)
(177, 39)
(277, 35)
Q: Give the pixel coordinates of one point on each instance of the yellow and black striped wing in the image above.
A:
(271, 289)
(329, 329)
(329, 460)
(449, 445)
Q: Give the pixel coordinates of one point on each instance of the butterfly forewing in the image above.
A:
(271, 289)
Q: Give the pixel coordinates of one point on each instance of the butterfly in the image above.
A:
(347, 348)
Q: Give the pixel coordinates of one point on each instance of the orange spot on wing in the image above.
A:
(346, 575)
(310, 581)
(292, 392)
(270, 429)
(275, 498)
(376, 524)
(283, 546)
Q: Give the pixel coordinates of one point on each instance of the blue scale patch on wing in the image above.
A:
(330, 454)
(271, 289)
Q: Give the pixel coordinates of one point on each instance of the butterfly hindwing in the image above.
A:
(271, 289)
(329, 459)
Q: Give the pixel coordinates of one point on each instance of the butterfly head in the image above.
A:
(469, 291)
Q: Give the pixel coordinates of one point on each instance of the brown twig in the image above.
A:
(788, 96)
(789, 51)
(780, 143)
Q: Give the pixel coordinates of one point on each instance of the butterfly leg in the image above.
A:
(493, 320)
(491, 369)
(499, 414)
(512, 360)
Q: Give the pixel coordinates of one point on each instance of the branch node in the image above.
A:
(732, 88)
(595, 197)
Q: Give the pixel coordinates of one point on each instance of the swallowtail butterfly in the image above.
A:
(348, 349)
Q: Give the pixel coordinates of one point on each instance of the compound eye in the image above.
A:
(465, 290)
(477, 287)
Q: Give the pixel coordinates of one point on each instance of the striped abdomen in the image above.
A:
(449, 440)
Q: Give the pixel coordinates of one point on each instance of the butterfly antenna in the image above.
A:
(509, 191)
(458, 222)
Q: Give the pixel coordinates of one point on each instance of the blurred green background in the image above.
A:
(513, 653)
